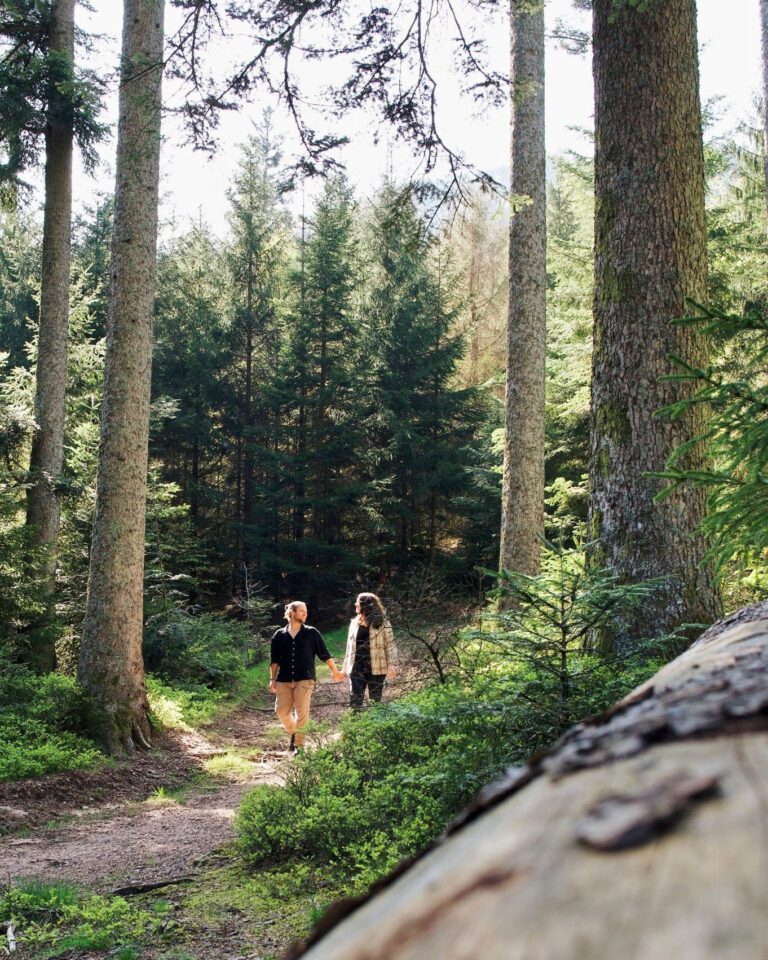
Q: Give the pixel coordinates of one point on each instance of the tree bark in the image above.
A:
(522, 509)
(764, 39)
(43, 508)
(639, 835)
(650, 244)
(247, 519)
(111, 667)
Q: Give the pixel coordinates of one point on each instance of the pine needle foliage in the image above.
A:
(734, 391)
(550, 627)
(35, 80)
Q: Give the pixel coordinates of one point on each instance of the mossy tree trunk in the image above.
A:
(650, 239)
(111, 666)
(522, 511)
(43, 508)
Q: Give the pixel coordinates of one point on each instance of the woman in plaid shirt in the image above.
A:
(371, 656)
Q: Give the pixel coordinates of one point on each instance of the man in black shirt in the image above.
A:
(292, 670)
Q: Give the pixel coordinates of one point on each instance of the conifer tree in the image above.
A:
(256, 256)
(326, 380)
(522, 501)
(42, 92)
(43, 508)
(191, 363)
(91, 252)
(19, 283)
(111, 668)
(764, 45)
(420, 422)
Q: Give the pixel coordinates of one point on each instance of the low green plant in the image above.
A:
(232, 765)
(384, 789)
(176, 705)
(41, 723)
(57, 919)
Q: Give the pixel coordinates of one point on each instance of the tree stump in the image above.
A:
(642, 834)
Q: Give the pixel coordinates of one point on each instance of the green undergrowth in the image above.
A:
(184, 705)
(383, 790)
(42, 724)
(235, 764)
(59, 920)
(270, 908)
(399, 772)
(42, 719)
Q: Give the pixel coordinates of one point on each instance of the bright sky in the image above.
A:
(194, 185)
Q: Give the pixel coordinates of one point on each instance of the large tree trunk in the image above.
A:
(639, 835)
(43, 509)
(111, 666)
(764, 38)
(650, 244)
(522, 505)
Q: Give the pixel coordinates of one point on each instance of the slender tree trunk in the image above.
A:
(194, 499)
(322, 433)
(238, 537)
(43, 508)
(299, 513)
(473, 292)
(764, 37)
(522, 506)
(651, 254)
(111, 667)
(248, 426)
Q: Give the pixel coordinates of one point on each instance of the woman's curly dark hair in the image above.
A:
(372, 609)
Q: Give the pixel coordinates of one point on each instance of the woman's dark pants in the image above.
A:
(359, 681)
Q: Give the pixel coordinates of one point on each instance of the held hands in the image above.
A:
(338, 676)
(391, 673)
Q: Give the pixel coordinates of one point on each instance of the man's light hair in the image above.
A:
(292, 607)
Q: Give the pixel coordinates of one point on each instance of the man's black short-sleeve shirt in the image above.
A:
(295, 656)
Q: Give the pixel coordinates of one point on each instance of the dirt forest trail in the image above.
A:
(154, 820)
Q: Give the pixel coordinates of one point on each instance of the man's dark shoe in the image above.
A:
(292, 747)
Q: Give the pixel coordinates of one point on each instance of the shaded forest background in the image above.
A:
(328, 416)
(327, 390)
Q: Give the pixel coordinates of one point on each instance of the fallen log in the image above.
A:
(642, 834)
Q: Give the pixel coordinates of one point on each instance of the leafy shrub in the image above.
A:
(29, 749)
(401, 771)
(41, 723)
(206, 648)
(385, 789)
